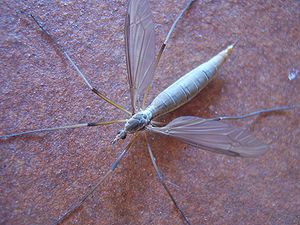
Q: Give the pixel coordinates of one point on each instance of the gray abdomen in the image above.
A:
(187, 87)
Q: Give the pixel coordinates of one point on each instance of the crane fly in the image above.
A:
(207, 134)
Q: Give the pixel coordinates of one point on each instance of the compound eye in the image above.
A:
(122, 134)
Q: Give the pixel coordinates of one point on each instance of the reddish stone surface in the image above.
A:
(43, 175)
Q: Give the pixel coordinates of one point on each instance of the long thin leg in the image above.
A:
(77, 68)
(163, 46)
(99, 182)
(62, 127)
(255, 113)
(161, 180)
(275, 109)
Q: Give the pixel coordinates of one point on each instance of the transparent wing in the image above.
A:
(213, 136)
(140, 48)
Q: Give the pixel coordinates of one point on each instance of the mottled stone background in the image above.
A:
(43, 175)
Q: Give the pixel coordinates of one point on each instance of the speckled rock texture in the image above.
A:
(43, 175)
